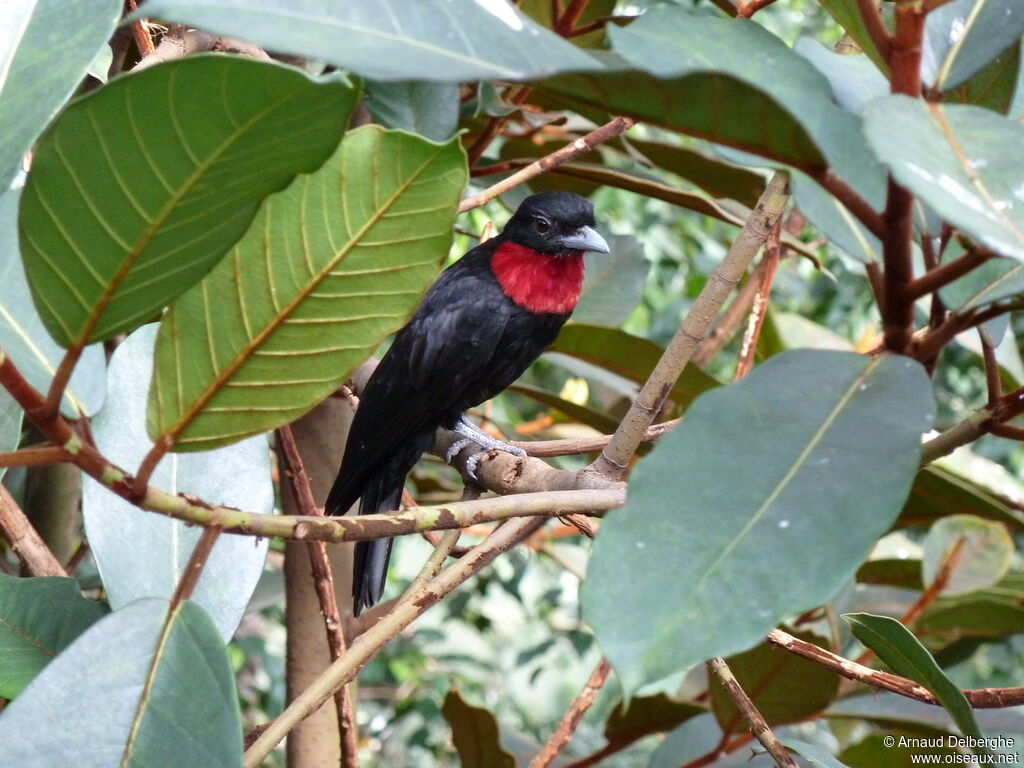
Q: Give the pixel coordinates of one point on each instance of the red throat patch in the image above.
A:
(536, 282)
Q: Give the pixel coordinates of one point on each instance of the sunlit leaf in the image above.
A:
(330, 266)
(963, 36)
(142, 185)
(983, 550)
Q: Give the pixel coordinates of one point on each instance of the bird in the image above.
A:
(481, 324)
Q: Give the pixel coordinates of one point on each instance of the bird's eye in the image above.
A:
(542, 225)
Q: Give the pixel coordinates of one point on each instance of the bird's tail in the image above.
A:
(371, 557)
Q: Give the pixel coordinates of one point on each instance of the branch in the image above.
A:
(368, 643)
(140, 31)
(189, 41)
(323, 584)
(979, 698)
(946, 273)
(748, 710)
(580, 146)
(850, 198)
(577, 445)
(872, 19)
(33, 554)
(194, 566)
(615, 458)
(34, 456)
(765, 276)
(974, 426)
(571, 719)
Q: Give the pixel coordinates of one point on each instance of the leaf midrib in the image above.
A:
(280, 316)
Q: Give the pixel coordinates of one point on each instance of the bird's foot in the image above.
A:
(472, 434)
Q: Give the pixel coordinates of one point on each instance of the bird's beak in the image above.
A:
(585, 239)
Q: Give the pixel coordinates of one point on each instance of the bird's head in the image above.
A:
(555, 224)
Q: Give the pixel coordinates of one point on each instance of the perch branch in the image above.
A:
(615, 458)
(33, 554)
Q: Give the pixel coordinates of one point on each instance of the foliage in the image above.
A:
(200, 249)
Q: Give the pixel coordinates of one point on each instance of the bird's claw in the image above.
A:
(472, 434)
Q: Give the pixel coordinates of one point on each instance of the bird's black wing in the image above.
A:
(423, 380)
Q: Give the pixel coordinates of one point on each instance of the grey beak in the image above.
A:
(585, 239)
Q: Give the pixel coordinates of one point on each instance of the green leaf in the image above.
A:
(990, 612)
(715, 176)
(904, 655)
(613, 285)
(23, 336)
(873, 752)
(769, 471)
(955, 158)
(142, 185)
(137, 689)
(429, 109)
(783, 687)
(141, 554)
(963, 36)
(997, 279)
(645, 715)
(330, 266)
(389, 39)
(598, 420)
(855, 80)
(938, 491)
(696, 737)
(893, 572)
(729, 81)
(982, 560)
(39, 618)
(995, 86)
(628, 356)
(847, 14)
(816, 756)
(475, 734)
(834, 219)
(45, 51)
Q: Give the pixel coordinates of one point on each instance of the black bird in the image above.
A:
(479, 326)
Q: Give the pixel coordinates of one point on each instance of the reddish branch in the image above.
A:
(323, 582)
(140, 31)
(872, 18)
(194, 566)
(34, 456)
(571, 719)
(765, 278)
(980, 698)
(946, 273)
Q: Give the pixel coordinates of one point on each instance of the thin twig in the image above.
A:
(34, 456)
(370, 642)
(615, 458)
(875, 27)
(748, 8)
(578, 147)
(140, 31)
(194, 566)
(572, 717)
(981, 698)
(944, 274)
(446, 543)
(993, 383)
(35, 557)
(766, 276)
(750, 714)
(323, 583)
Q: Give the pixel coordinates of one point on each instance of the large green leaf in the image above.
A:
(614, 284)
(987, 613)
(141, 554)
(645, 715)
(854, 80)
(741, 516)
(904, 654)
(23, 335)
(783, 687)
(983, 558)
(629, 356)
(138, 689)
(995, 86)
(960, 160)
(142, 185)
(46, 47)
(429, 109)
(939, 491)
(330, 266)
(391, 39)
(474, 734)
(963, 36)
(39, 618)
(711, 79)
(834, 219)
